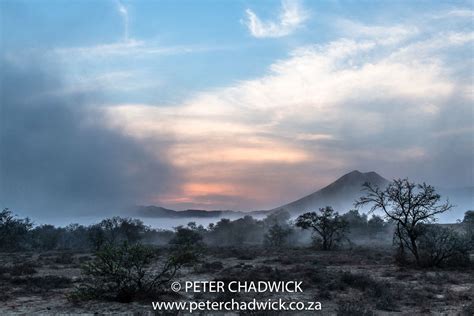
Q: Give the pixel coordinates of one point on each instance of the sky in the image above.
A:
(238, 104)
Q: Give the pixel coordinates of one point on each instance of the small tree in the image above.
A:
(356, 222)
(468, 223)
(116, 230)
(376, 225)
(45, 237)
(469, 217)
(277, 235)
(280, 217)
(408, 205)
(326, 223)
(187, 241)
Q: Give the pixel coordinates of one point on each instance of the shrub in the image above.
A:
(358, 281)
(13, 231)
(45, 237)
(64, 258)
(440, 246)
(187, 241)
(116, 230)
(26, 268)
(378, 290)
(207, 267)
(125, 273)
(468, 310)
(277, 236)
(41, 283)
(353, 308)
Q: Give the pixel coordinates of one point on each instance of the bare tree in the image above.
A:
(408, 205)
(327, 223)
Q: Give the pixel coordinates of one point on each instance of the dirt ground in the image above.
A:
(360, 281)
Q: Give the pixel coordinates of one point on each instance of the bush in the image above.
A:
(378, 290)
(13, 231)
(440, 246)
(187, 241)
(45, 237)
(353, 308)
(358, 281)
(125, 273)
(277, 236)
(64, 258)
(116, 230)
(42, 283)
(209, 267)
(468, 310)
(22, 269)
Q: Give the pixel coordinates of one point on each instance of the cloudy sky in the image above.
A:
(228, 104)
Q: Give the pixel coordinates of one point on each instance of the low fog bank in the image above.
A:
(171, 223)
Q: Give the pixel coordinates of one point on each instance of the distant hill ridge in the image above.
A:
(340, 194)
(158, 211)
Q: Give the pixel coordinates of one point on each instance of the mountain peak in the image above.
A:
(340, 194)
(354, 172)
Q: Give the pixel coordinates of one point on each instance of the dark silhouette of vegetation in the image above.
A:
(409, 206)
(277, 235)
(356, 221)
(468, 223)
(45, 237)
(13, 231)
(242, 231)
(440, 246)
(125, 273)
(278, 229)
(376, 225)
(116, 230)
(327, 223)
(468, 218)
(188, 240)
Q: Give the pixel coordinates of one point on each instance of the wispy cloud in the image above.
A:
(122, 9)
(131, 48)
(455, 13)
(291, 16)
(390, 34)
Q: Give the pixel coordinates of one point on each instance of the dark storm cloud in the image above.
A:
(57, 158)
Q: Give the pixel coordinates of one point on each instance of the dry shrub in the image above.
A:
(353, 308)
(125, 273)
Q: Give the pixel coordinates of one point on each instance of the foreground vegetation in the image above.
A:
(353, 264)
